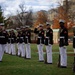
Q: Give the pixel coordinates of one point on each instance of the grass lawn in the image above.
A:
(14, 65)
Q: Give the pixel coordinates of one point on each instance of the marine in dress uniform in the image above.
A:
(3, 40)
(48, 43)
(63, 42)
(27, 42)
(40, 41)
(8, 41)
(74, 48)
(17, 44)
(21, 45)
(12, 41)
(6, 45)
(17, 29)
(74, 38)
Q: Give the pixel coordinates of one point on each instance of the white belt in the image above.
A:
(12, 38)
(2, 36)
(9, 38)
(39, 37)
(47, 37)
(74, 36)
(26, 37)
(17, 37)
(21, 37)
(61, 37)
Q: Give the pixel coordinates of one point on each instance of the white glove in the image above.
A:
(64, 47)
(74, 50)
(49, 45)
(23, 43)
(28, 43)
(17, 43)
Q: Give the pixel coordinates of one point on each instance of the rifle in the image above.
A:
(46, 58)
(27, 43)
(59, 61)
(46, 52)
(58, 64)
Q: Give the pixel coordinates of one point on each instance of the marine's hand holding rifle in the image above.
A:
(64, 47)
(74, 50)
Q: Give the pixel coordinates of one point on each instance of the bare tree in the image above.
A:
(24, 17)
(71, 11)
(68, 10)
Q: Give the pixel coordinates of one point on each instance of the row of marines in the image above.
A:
(23, 40)
(8, 40)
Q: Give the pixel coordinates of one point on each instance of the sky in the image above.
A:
(10, 7)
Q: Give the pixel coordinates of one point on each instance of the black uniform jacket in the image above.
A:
(20, 38)
(63, 37)
(12, 38)
(49, 36)
(3, 37)
(74, 41)
(40, 39)
(28, 36)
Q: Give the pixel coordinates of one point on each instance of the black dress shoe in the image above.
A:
(48, 63)
(19, 56)
(63, 67)
(10, 54)
(0, 61)
(41, 61)
(27, 58)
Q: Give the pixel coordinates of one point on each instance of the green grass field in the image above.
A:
(14, 65)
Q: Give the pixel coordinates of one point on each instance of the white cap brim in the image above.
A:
(1, 24)
(61, 20)
(40, 25)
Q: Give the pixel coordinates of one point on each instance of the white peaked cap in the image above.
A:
(1, 24)
(23, 27)
(17, 28)
(47, 23)
(61, 20)
(40, 25)
(27, 26)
